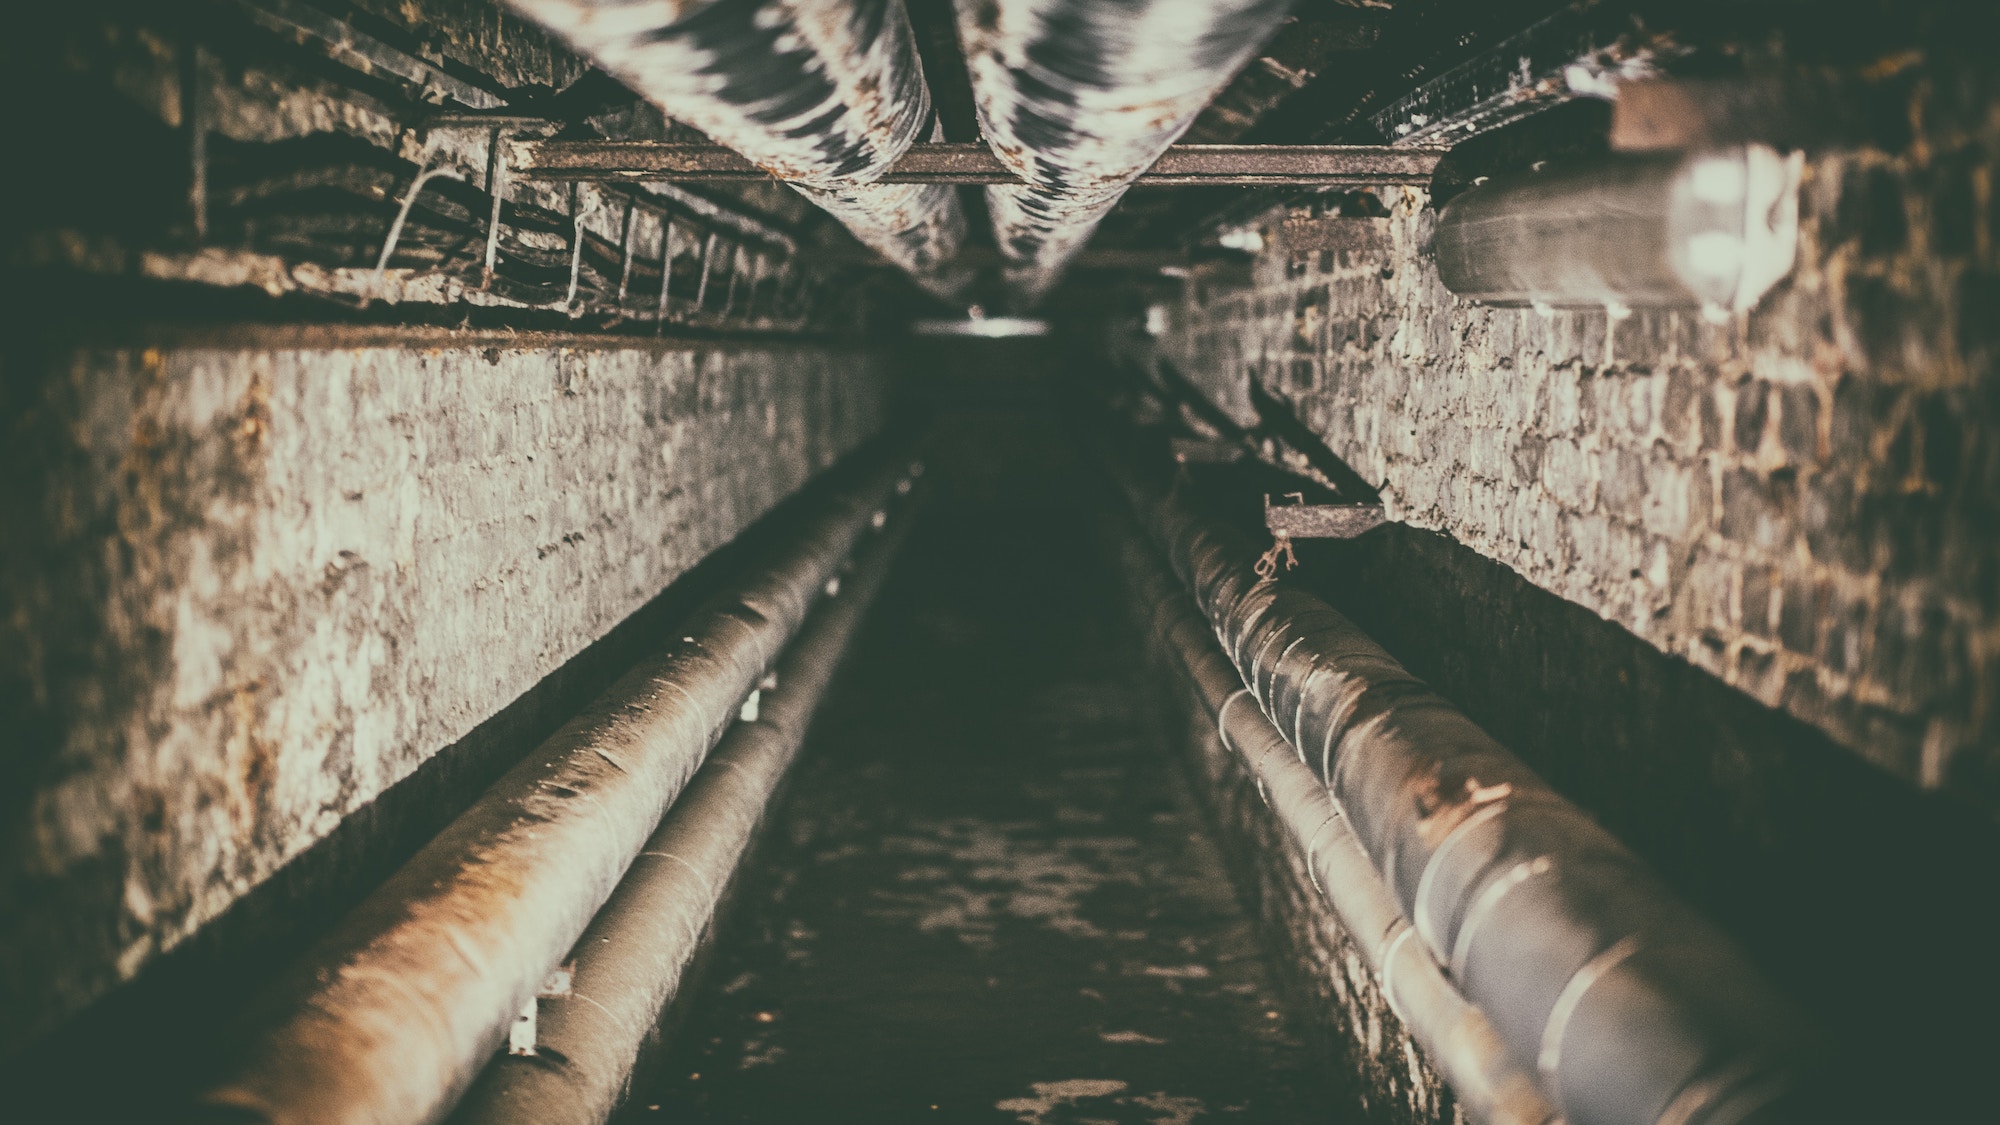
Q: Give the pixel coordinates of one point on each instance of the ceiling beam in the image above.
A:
(1349, 166)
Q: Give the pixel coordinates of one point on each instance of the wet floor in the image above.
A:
(986, 896)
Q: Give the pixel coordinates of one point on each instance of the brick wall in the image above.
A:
(256, 584)
(1805, 502)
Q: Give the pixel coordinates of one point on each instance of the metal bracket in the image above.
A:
(707, 258)
(1300, 520)
(425, 174)
(666, 274)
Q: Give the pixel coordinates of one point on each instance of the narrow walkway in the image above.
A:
(986, 896)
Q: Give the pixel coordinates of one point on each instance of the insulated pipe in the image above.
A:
(628, 965)
(1714, 230)
(1630, 1006)
(823, 94)
(1078, 97)
(1455, 1036)
(387, 1019)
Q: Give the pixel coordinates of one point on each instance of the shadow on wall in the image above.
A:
(1865, 899)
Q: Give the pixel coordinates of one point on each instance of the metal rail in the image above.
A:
(941, 163)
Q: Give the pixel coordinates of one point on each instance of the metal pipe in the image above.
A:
(388, 1019)
(1630, 1005)
(1079, 98)
(628, 966)
(1455, 1035)
(1714, 230)
(823, 94)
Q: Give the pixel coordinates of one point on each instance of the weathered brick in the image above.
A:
(1834, 534)
(1757, 672)
(1798, 422)
(1713, 435)
(1868, 379)
(1872, 208)
(1950, 197)
(1863, 412)
(1752, 398)
(1755, 507)
(1622, 482)
(1527, 459)
(1977, 317)
(1844, 647)
(1565, 414)
(1760, 590)
(1909, 532)
(1804, 609)
(1942, 418)
(1678, 415)
(1566, 473)
(337, 562)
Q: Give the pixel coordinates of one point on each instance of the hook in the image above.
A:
(425, 174)
(496, 186)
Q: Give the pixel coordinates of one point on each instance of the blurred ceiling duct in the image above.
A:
(1079, 97)
(1714, 230)
(823, 94)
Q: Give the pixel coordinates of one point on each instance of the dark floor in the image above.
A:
(987, 896)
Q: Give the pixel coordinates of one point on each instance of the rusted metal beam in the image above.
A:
(1181, 166)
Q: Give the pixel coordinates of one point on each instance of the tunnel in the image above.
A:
(1366, 562)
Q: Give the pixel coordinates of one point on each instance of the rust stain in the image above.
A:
(253, 423)
(250, 759)
(1441, 806)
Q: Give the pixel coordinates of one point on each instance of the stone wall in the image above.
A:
(1805, 502)
(255, 581)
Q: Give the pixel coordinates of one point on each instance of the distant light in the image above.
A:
(990, 327)
(1247, 239)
